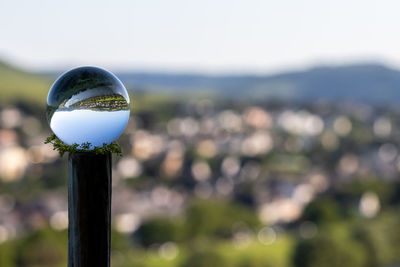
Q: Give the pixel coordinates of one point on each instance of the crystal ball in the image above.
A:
(88, 104)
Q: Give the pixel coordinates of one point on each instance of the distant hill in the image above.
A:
(368, 83)
(371, 83)
(16, 85)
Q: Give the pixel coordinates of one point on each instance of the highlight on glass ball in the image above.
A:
(88, 105)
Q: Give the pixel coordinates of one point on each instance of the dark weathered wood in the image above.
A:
(89, 209)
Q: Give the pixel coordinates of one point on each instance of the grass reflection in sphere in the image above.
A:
(88, 104)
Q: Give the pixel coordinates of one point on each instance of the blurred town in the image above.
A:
(274, 184)
(261, 133)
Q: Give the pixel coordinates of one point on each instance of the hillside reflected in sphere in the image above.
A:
(88, 104)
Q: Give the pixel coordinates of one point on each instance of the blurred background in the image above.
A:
(262, 133)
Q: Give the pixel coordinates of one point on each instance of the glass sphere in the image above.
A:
(88, 104)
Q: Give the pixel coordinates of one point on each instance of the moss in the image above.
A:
(62, 148)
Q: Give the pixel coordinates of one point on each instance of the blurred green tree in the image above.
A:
(43, 248)
(217, 218)
(160, 230)
(8, 255)
(204, 219)
(332, 248)
(323, 210)
(254, 262)
(205, 259)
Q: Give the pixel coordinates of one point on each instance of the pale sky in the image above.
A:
(198, 35)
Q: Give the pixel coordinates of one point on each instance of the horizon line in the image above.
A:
(204, 71)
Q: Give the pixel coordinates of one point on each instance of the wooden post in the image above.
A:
(89, 209)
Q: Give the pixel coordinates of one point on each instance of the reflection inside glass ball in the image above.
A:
(88, 104)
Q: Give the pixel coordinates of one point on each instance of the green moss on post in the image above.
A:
(62, 148)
